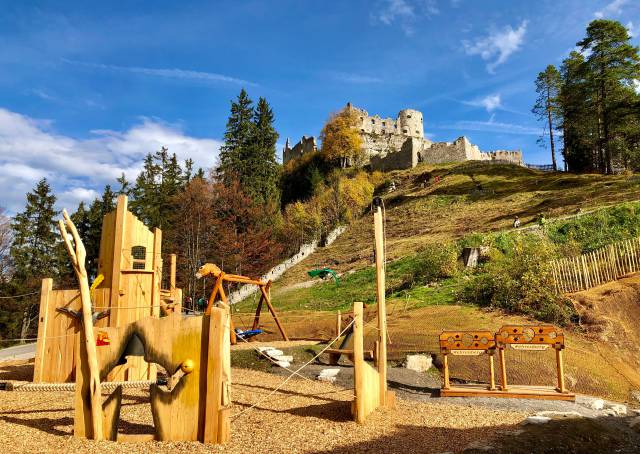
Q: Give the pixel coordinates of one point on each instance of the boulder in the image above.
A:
(614, 409)
(590, 402)
(535, 419)
(419, 363)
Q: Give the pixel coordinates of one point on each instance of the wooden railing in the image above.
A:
(573, 274)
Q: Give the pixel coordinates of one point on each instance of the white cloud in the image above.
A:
(632, 29)
(489, 102)
(171, 73)
(493, 126)
(636, 84)
(611, 9)
(405, 12)
(498, 46)
(77, 168)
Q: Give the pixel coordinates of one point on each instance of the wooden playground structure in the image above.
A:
(209, 269)
(522, 337)
(129, 288)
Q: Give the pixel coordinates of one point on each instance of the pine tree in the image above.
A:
(547, 106)
(262, 174)
(33, 251)
(237, 139)
(612, 67)
(125, 187)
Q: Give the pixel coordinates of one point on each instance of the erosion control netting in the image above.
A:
(590, 367)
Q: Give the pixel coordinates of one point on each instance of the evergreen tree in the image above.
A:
(33, 251)
(125, 188)
(261, 181)
(547, 106)
(237, 139)
(612, 67)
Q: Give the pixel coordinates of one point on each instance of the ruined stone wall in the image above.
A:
(406, 157)
(306, 145)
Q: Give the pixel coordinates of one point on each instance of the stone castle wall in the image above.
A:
(399, 143)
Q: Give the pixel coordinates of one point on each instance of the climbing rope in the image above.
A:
(285, 381)
(61, 387)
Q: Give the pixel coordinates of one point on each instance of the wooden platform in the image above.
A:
(517, 392)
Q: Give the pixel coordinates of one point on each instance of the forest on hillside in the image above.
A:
(249, 212)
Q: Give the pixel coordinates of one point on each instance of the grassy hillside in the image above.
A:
(438, 204)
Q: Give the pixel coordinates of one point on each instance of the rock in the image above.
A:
(284, 364)
(614, 409)
(287, 358)
(635, 396)
(328, 375)
(273, 352)
(419, 363)
(326, 378)
(559, 414)
(590, 402)
(264, 349)
(535, 419)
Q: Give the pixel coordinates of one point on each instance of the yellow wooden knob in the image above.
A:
(187, 366)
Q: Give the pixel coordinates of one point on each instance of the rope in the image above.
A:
(19, 296)
(276, 363)
(295, 372)
(62, 387)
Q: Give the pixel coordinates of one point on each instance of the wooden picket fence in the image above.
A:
(573, 274)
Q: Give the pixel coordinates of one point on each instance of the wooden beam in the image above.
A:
(43, 320)
(172, 272)
(116, 262)
(380, 292)
(265, 294)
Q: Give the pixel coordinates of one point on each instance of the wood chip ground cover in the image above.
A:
(303, 417)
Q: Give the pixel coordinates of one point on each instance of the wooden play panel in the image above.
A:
(517, 392)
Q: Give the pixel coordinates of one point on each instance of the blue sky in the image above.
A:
(88, 88)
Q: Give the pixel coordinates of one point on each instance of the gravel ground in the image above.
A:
(304, 416)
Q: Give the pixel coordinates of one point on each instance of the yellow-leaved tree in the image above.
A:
(340, 139)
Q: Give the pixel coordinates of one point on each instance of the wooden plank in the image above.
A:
(514, 392)
(366, 378)
(380, 297)
(43, 320)
(116, 261)
(266, 298)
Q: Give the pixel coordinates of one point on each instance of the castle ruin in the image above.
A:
(391, 144)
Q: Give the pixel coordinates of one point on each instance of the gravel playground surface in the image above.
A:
(303, 416)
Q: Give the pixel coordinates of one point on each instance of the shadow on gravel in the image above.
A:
(18, 372)
(571, 435)
(49, 425)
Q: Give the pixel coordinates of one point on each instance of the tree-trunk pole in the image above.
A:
(77, 259)
(553, 148)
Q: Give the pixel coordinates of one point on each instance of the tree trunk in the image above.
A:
(553, 149)
(26, 322)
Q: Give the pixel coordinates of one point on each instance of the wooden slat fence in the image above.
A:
(573, 274)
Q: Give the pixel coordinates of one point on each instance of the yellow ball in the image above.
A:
(187, 366)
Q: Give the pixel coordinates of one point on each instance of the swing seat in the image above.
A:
(248, 333)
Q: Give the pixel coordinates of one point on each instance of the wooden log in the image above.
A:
(78, 256)
(265, 294)
(492, 373)
(560, 369)
(380, 293)
(445, 370)
(45, 297)
(503, 369)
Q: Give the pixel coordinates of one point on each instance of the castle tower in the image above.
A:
(410, 123)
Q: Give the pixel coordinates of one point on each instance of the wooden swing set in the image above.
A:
(210, 269)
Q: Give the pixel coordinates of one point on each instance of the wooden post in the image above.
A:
(560, 367)
(78, 256)
(358, 353)
(265, 294)
(380, 291)
(503, 369)
(172, 272)
(338, 323)
(256, 318)
(116, 263)
(45, 296)
(445, 368)
(492, 372)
